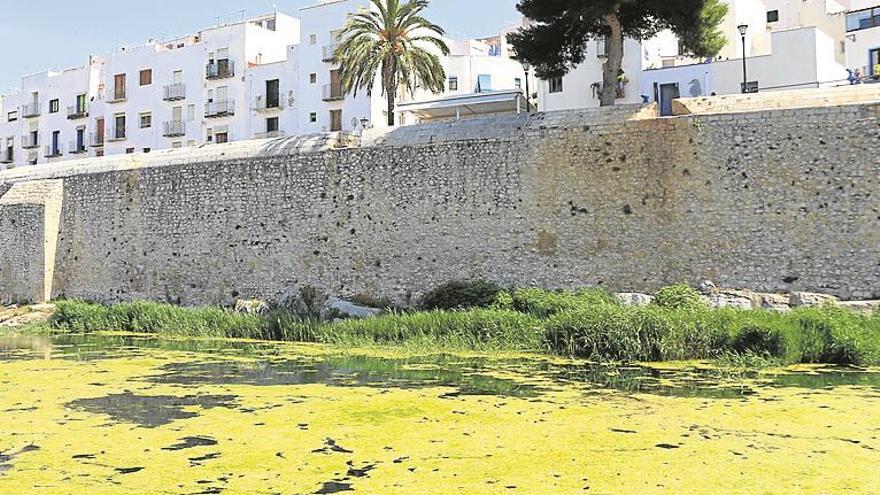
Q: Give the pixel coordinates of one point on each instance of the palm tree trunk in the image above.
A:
(392, 94)
(611, 70)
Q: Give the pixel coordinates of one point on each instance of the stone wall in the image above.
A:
(771, 200)
(29, 225)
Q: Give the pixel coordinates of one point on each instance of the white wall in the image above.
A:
(800, 58)
(577, 85)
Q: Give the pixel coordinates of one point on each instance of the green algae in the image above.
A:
(244, 420)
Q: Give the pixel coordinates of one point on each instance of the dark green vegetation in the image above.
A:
(589, 324)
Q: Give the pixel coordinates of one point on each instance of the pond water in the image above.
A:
(114, 413)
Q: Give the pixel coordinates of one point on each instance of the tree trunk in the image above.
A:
(611, 70)
(391, 94)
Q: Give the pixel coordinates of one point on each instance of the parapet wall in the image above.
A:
(772, 200)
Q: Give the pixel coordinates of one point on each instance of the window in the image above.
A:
(772, 16)
(313, 117)
(129, 151)
(119, 87)
(119, 130)
(453, 83)
(272, 124)
(146, 120)
(146, 150)
(176, 144)
(874, 67)
(146, 77)
(555, 84)
(191, 113)
(12, 116)
(863, 19)
(80, 103)
(313, 39)
(273, 93)
(313, 78)
(517, 83)
(221, 137)
(484, 83)
(54, 106)
(56, 143)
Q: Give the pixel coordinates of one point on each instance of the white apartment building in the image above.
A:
(264, 77)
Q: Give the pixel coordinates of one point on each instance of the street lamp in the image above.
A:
(742, 31)
(528, 67)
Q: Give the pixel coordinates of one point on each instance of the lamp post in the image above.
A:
(528, 67)
(742, 31)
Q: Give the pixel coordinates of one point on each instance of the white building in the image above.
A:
(263, 77)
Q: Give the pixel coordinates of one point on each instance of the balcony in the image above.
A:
(117, 96)
(221, 69)
(31, 109)
(77, 112)
(329, 52)
(174, 92)
(333, 92)
(174, 128)
(269, 134)
(267, 104)
(77, 148)
(29, 142)
(52, 151)
(96, 139)
(222, 108)
(117, 134)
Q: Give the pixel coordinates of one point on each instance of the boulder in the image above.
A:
(773, 302)
(707, 287)
(251, 307)
(729, 300)
(336, 307)
(634, 299)
(864, 307)
(810, 299)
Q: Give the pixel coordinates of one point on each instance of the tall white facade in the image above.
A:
(264, 77)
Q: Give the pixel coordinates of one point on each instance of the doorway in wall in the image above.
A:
(668, 92)
(874, 63)
(335, 120)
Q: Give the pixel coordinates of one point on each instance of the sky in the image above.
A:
(36, 35)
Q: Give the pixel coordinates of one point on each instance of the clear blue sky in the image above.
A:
(36, 35)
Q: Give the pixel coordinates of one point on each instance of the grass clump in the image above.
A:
(461, 295)
(586, 324)
(679, 297)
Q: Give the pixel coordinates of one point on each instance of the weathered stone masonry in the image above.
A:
(775, 200)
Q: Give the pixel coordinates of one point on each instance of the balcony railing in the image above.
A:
(329, 52)
(116, 134)
(269, 134)
(221, 69)
(30, 142)
(77, 112)
(175, 92)
(31, 109)
(117, 95)
(52, 151)
(174, 128)
(267, 103)
(333, 92)
(77, 148)
(96, 139)
(219, 108)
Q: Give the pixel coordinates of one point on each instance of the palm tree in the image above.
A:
(393, 40)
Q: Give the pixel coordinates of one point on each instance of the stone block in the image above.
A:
(634, 299)
(810, 299)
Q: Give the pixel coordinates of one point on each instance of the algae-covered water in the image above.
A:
(132, 414)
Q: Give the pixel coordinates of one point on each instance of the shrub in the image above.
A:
(460, 295)
(679, 297)
(544, 304)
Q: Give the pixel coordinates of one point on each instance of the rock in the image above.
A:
(810, 299)
(865, 307)
(724, 300)
(251, 307)
(773, 302)
(634, 299)
(708, 287)
(335, 307)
